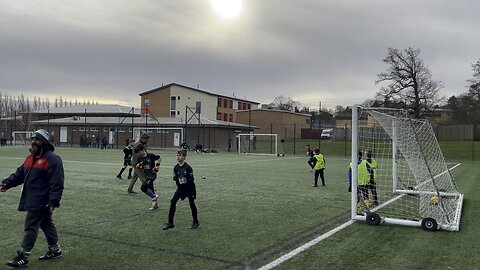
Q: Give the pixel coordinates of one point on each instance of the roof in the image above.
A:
(90, 109)
(274, 110)
(193, 89)
(137, 121)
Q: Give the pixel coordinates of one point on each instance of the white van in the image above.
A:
(327, 133)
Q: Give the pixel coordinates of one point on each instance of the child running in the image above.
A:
(183, 177)
(127, 159)
(147, 162)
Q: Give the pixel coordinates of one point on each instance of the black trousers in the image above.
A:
(173, 206)
(319, 173)
(40, 219)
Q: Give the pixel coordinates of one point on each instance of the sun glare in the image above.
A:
(227, 9)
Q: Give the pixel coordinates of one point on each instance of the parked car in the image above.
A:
(327, 133)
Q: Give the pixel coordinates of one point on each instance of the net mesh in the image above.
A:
(411, 178)
(257, 144)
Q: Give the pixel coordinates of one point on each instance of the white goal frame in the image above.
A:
(152, 131)
(26, 140)
(427, 169)
(255, 135)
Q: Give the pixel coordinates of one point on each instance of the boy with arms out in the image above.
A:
(147, 162)
(183, 177)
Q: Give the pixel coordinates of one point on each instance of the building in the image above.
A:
(286, 124)
(179, 101)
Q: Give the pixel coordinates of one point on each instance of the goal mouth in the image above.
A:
(402, 175)
(258, 144)
(22, 138)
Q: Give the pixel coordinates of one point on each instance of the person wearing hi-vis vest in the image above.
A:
(365, 175)
(317, 162)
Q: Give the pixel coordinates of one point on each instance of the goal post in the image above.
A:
(161, 138)
(257, 144)
(402, 177)
(22, 138)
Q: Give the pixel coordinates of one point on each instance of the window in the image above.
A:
(146, 101)
(225, 117)
(231, 118)
(219, 102)
(121, 130)
(94, 129)
(178, 98)
(239, 105)
(249, 106)
(173, 103)
(74, 129)
(178, 112)
(230, 104)
(198, 107)
(225, 103)
(172, 114)
(105, 129)
(219, 116)
(81, 129)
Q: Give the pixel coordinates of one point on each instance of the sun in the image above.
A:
(227, 9)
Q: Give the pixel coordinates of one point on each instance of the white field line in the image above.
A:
(313, 242)
(304, 247)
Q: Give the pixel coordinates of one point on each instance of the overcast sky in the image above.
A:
(310, 50)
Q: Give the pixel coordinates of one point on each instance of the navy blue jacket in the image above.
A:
(42, 178)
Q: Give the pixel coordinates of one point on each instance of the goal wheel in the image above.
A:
(373, 218)
(429, 224)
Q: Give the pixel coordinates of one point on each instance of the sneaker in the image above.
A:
(154, 206)
(155, 199)
(131, 192)
(168, 226)
(119, 177)
(314, 185)
(195, 225)
(129, 177)
(51, 255)
(18, 261)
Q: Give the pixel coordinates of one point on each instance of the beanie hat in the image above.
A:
(42, 135)
(145, 136)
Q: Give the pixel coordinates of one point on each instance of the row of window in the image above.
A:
(225, 117)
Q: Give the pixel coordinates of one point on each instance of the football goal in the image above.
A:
(401, 175)
(22, 138)
(160, 138)
(257, 144)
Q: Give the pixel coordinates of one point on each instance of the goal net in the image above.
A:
(401, 177)
(257, 144)
(160, 138)
(22, 138)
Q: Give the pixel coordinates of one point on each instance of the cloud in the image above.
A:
(329, 51)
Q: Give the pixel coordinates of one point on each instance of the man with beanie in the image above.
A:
(136, 171)
(42, 177)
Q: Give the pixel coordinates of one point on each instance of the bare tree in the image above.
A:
(285, 103)
(411, 82)
(474, 83)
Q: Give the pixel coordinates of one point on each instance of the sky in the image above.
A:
(310, 50)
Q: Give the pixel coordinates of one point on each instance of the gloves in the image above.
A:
(156, 168)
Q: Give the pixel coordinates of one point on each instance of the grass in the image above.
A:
(252, 209)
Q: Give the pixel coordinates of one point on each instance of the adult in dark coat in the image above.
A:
(42, 177)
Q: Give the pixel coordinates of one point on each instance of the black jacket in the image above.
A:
(42, 177)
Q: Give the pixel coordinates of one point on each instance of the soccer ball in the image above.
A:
(434, 200)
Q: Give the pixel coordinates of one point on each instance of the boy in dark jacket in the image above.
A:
(150, 164)
(127, 159)
(183, 177)
(42, 177)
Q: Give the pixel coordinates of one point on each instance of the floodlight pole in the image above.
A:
(319, 123)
